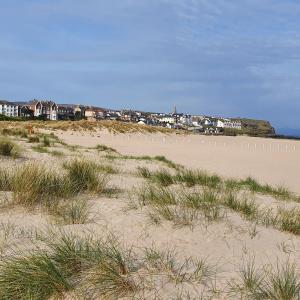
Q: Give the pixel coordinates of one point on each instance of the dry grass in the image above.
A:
(15, 128)
(281, 282)
(9, 148)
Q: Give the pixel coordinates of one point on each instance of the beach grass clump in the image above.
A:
(206, 202)
(12, 131)
(72, 212)
(150, 194)
(69, 264)
(5, 179)
(254, 186)
(111, 277)
(40, 149)
(33, 184)
(283, 282)
(288, 220)
(144, 172)
(249, 209)
(83, 176)
(9, 148)
(168, 162)
(250, 282)
(34, 276)
(33, 139)
(46, 141)
(190, 270)
(194, 177)
(57, 153)
(104, 148)
(179, 215)
(106, 168)
(163, 177)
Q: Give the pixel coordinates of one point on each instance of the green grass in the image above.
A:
(179, 215)
(288, 220)
(104, 148)
(254, 186)
(35, 276)
(9, 148)
(46, 141)
(247, 208)
(162, 159)
(108, 169)
(68, 264)
(162, 177)
(144, 172)
(193, 177)
(40, 149)
(57, 153)
(206, 202)
(155, 195)
(282, 283)
(5, 179)
(83, 176)
(75, 211)
(33, 139)
(33, 184)
(15, 132)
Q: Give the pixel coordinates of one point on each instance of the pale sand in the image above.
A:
(224, 243)
(276, 162)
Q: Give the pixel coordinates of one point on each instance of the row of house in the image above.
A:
(51, 111)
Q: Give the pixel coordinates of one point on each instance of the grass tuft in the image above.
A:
(191, 178)
(9, 148)
(83, 176)
(35, 276)
(104, 148)
(33, 184)
(73, 212)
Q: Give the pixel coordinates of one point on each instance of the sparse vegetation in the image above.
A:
(46, 141)
(83, 176)
(105, 148)
(75, 211)
(57, 153)
(9, 148)
(191, 178)
(40, 149)
(33, 184)
(257, 283)
(33, 139)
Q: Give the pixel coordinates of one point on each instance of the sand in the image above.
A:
(276, 162)
(224, 244)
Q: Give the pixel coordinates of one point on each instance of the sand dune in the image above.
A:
(270, 161)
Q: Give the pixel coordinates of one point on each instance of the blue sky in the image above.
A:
(217, 57)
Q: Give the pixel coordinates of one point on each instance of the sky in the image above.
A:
(234, 58)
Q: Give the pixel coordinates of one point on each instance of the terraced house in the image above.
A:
(8, 109)
(46, 109)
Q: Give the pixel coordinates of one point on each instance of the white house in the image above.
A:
(167, 119)
(220, 124)
(8, 109)
(227, 123)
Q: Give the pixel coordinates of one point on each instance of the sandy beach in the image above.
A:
(276, 162)
(167, 235)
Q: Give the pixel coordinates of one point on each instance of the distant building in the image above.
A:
(227, 123)
(44, 109)
(8, 109)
